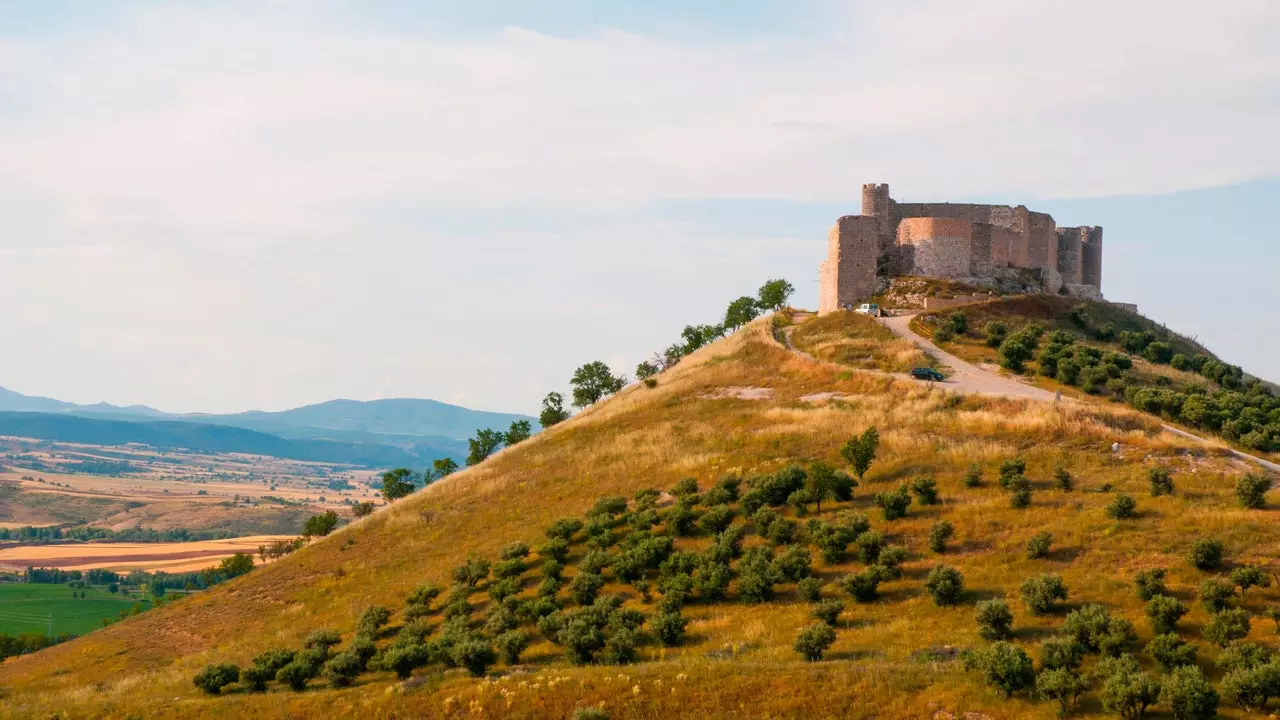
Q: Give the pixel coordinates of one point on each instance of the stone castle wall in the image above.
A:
(849, 274)
(957, 240)
(938, 246)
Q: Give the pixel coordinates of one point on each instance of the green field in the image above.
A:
(26, 608)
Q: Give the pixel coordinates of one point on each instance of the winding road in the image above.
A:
(969, 378)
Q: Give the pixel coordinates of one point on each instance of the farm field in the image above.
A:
(28, 607)
(123, 557)
(48, 483)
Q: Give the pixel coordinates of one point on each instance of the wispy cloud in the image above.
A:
(259, 159)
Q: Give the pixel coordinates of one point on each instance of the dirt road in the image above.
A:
(969, 378)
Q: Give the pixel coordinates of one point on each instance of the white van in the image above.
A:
(871, 309)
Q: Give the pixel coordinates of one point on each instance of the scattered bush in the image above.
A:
(215, 677)
(1041, 593)
(1038, 545)
(861, 586)
(944, 584)
(1061, 686)
(939, 534)
(828, 611)
(1061, 654)
(716, 519)
(814, 640)
(669, 627)
(1226, 627)
(475, 655)
(297, 673)
(1150, 583)
(809, 589)
(1170, 651)
(343, 669)
(1206, 554)
(1161, 481)
(894, 504)
(756, 576)
(926, 490)
(973, 476)
(371, 619)
(1244, 656)
(322, 639)
(1189, 695)
(1127, 690)
(585, 586)
(1123, 507)
(870, 544)
(1251, 491)
(1214, 594)
(1164, 613)
(1062, 478)
(1248, 576)
(1009, 469)
(995, 620)
(1251, 689)
(1004, 666)
(1093, 627)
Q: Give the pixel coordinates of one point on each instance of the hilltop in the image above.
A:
(744, 407)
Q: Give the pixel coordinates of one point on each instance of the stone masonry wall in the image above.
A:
(1070, 243)
(849, 274)
(1091, 258)
(941, 246)
(1042, 241)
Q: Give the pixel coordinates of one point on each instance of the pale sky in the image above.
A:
(222, 206)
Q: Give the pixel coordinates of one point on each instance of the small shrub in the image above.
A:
(793, 564)
(322, 639)
(1249, 576)
(669, 627)
(861, 586)
(939, 534)
(475, 655)
(1123, 507)
(995, 620)
(828, 611)
(1127, 690)
(1093, 627)
(945, 585)
(1214, 594)
(893, 505)
(1150, 583)
(296, 674)
(1062, 686)
(1062, 478)
(813, 641)
(1170, 651)
(1004, 666)
(926, 490)
(973, 477)
(1189, 695)
(1226, 627)
(1038, 545)
(1010, 469)
(1161, 481)
(1164, 612)
(1061, 654)
(1251, 491)
(809, 589)
(372, 619)
(716, 519)
(215, 677)
(1206, 554)
(343, 669)
(1041, 593)
(585, 586)
(870, 545)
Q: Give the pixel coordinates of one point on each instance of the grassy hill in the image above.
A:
(897, 655)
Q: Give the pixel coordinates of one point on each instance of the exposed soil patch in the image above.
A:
(740, 393)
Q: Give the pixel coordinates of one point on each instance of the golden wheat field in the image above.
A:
(893, 658)
(170, 557)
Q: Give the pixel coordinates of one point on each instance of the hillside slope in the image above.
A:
(893, 657)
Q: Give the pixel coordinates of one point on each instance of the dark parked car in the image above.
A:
(926, 374)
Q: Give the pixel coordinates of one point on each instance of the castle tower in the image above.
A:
(877, 204)
(848, 276)
(1091, 256)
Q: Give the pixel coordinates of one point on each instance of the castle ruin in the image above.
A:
(979, 244)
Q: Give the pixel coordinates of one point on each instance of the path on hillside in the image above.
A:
(969, 378)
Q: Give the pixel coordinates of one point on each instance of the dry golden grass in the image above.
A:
(738, 661)
(857, 340)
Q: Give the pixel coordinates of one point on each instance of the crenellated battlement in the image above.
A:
(955, 240)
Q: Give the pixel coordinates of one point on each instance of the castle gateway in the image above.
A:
(979, 244)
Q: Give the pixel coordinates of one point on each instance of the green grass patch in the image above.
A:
(27, 607)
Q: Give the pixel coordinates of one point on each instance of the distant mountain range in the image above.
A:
(373, 433)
